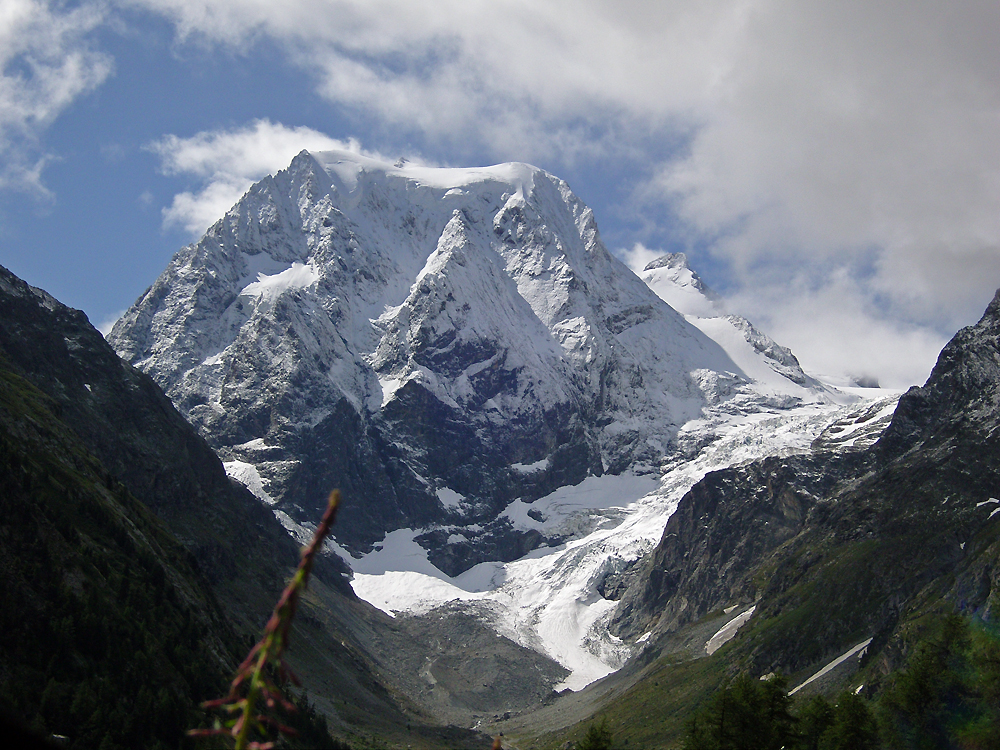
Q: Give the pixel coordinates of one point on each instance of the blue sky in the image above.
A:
(832, 169)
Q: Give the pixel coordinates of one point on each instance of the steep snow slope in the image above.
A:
(437, 342)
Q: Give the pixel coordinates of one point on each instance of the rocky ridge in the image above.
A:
(833, 566)
(673, 280)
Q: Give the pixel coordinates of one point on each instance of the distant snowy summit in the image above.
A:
(438, 343)
(675, 283)
(755, 352)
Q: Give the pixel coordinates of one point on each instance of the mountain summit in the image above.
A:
(436, 342)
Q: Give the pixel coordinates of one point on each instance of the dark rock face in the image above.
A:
(835, 547)
(961, 398)
(725, 526)
(497, 541)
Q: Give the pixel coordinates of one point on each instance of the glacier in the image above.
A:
(550, 599)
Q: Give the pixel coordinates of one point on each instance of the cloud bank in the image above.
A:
(841, 158)
(835, 162)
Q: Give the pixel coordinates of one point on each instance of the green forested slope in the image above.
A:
(111, 638)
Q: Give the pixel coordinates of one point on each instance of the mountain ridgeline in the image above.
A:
(441, 344)
(117, 632)
(437, 342)
(875, 530)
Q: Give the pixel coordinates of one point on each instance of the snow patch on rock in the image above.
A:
(449, 498)
(728, 631)
(296, 276)
(531, 468)
(247, 475)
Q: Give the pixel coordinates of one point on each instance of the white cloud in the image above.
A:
(514, 78)
(638, 257)
(108, 322)
(815, 129)
(46, 63)
(791, 140)
(829, 321)
(835, 329)
(225, 163)
(858, 132)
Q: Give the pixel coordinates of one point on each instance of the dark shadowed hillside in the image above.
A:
(135, 574)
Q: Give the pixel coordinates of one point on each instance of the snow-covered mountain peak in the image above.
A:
(459, 353)
(679, 286)
(765, 361)
(401, 331)
(346, 167)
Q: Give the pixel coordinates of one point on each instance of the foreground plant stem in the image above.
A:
(268, 653)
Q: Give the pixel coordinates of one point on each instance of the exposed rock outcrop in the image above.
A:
(840, 546)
